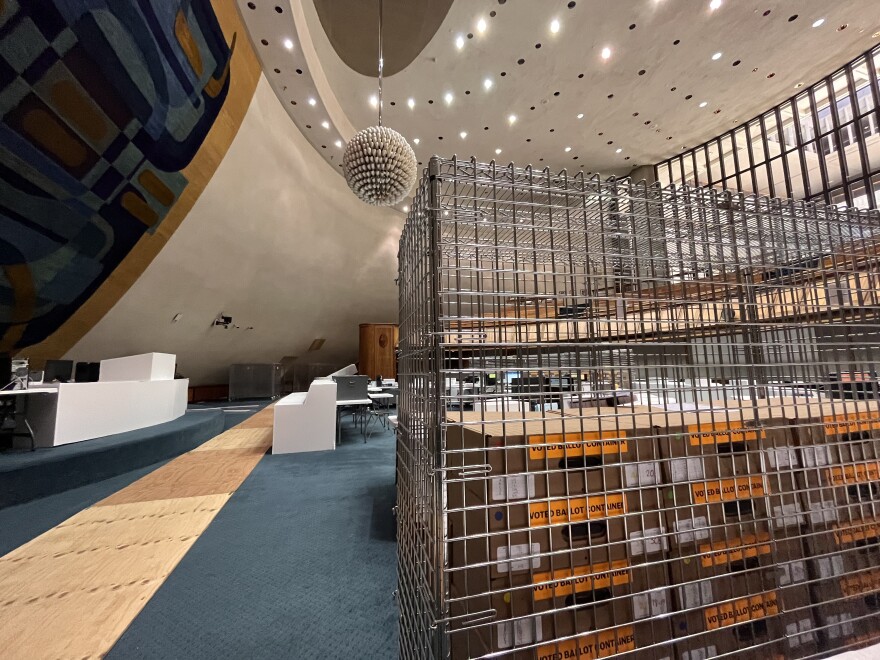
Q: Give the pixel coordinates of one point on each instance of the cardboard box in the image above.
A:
(693, 508)
(796, 623)
(717, 475)
(730, 626)
(843, 561)
(734, 561)
(537, 536)
(522, 639)
(511, 460)
(709, 433)
(606, 611)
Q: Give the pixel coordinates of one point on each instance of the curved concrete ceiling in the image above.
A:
(528, 81)
(275, 241)
(352, 28)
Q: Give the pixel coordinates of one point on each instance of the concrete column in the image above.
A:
(645, 172)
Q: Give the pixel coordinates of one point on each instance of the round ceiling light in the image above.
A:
(379, 166)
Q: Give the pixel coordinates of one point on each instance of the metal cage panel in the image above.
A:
(634, 421)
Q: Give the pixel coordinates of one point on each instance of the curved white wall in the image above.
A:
(278, 242)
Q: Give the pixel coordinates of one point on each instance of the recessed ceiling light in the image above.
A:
(325, 124)
(715, 4)
(448, 97)
(312, 101)
(606, 53)
(411, 103)
(554, 26)
(481, 25)
(405, 208)
(567, 149)
(618, 151)
(338, 143)
(704, 104)
(463, 134)
(374, 101)
(487, 83)
(799, 85)
(818, 22)
(716, 56)
(416, 140)
(581, 115)
(497, 151)
(511, 119)
(288, 44)
(459, 42)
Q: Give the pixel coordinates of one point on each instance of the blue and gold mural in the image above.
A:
(103, 103)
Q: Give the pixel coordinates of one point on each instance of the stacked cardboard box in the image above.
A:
(748, 525)
(556, 532)
(721, 560)
(839, 487)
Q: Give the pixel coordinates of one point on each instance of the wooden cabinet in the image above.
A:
(377, 350)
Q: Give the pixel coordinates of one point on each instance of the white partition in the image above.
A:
(83, 411)
(147, 366)
(306, 421)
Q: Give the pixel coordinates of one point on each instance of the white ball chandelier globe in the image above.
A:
(379, 166)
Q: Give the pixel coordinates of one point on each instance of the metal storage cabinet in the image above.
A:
(254, 381)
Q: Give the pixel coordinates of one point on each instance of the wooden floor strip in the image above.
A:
(258, 440)
(72, 591)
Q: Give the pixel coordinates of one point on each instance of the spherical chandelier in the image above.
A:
(379, 166)
(378, 163)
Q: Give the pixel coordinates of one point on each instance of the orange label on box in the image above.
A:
(722, 552)
(719, 434)
(857, 531)
(744, 609)
(581, 578)
(576, 509)
(572, 445)
(854, 474)
(852, 423)
(725, 490)
(861, 583)
(591, 645)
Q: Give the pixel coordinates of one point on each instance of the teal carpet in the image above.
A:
(300, 563)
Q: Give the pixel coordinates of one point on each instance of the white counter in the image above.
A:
(83, 411)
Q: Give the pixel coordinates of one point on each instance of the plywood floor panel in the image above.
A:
(258, 440)
(85, 580)
(119, 526)
(72, 591)
(262, 420)
(191, 475)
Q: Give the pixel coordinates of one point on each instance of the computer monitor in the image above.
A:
(60, 370)
(5, 370)
(87, 372)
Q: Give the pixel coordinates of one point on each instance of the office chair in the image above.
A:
(353, 388)
(7, 403)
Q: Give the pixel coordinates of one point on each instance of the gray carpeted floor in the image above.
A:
(21, 523)
(300, 563)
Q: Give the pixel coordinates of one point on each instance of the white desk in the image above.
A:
(27, 393)
(83, 411)
(346, 404)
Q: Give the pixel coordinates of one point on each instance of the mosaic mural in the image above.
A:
(103, 103)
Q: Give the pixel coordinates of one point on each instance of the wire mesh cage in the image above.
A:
(634, 421)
